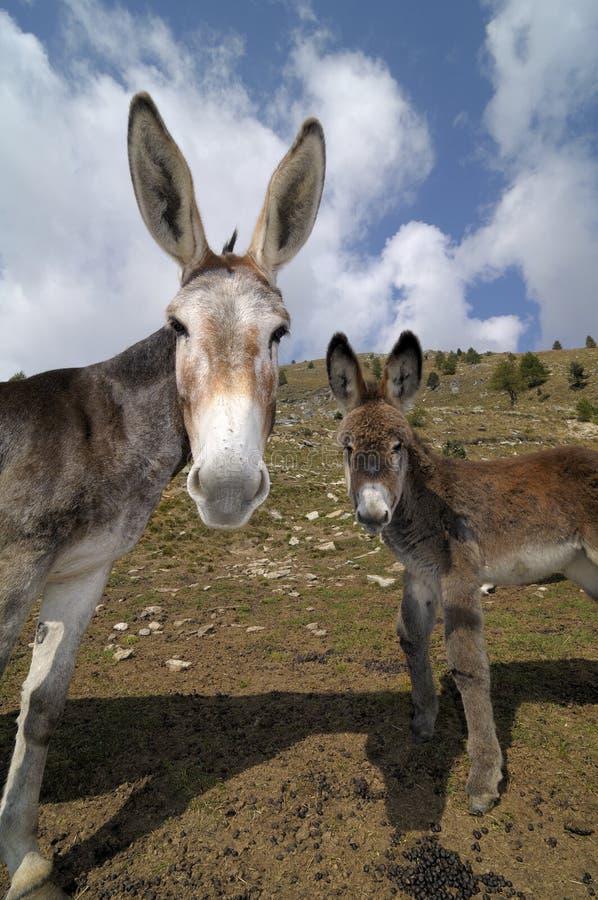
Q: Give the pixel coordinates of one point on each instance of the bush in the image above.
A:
(417, 417)
(337, 416)
(18, 376)
(585, 410)
(590, 342)
(433, 381)
(507, 377)
(533, 371)
(310, 364)
(557, 345)
(472, 357)
(376, 368)
(439, 358)
(577, 376)
(454, 448)
(449, 366)
(282, 377)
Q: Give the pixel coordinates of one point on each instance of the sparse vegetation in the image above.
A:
(557, 345)
(376, 368)
(18, 376)
(472, 357)
(417, 417)
(577, 376)
(533, 371)
(454, 448)
(449, 366)
(282, 377)
(507, 377)
(433, 381)
(590, 342)
(310, 364)
(585, 410)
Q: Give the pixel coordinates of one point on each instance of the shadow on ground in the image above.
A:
(103, 743)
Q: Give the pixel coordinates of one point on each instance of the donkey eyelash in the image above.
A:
(178, 327)
(278, 334)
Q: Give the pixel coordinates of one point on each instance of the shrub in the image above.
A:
(439, 358)
(577, 376)
(310, 364)
(472, 357)
(557, 345)
(590, 342)
(585, 410)
(417, 417)
(282, 377)
(18, 376)
(507, 377)
(449, 366)
(376, 368)
(338, 415)
(433, 381)
(454, 448)
(533, 371)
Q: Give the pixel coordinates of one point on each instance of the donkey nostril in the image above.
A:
(194, 483)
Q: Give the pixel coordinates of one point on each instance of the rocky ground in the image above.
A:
(238, 724)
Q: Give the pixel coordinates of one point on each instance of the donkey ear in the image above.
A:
(403, 372)
(163, 184)
(292, 201)
(344, 373)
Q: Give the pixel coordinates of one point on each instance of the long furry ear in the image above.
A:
(344, 373)
(403, 372)
(163, 184)
(292, 201)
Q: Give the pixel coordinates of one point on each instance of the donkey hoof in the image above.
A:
(32, 881)
(481, 803)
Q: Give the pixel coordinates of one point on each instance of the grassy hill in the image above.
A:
(279, 762)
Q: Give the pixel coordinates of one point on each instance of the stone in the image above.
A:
(380, 580)
(293, 541)
(120, 626)
(206, 629)
(177, 665)
(253, 628)
(144, 632)
(328, 545)
(154, 626)
(120, 653)
(150, 611)
(334, 514)
(311, 516)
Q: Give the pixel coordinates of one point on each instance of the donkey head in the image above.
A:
(228, 315)
(374, 433)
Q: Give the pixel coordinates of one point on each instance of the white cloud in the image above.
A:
(80, 278)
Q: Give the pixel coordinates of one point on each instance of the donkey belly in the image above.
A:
(530, 563)
(97, 547)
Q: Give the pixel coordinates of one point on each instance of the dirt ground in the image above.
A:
(279, 763)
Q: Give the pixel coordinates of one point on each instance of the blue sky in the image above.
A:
(462, 180)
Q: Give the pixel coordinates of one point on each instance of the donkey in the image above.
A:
(85, 453)
(456, 524)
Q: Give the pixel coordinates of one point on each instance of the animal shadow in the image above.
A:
(104, 743)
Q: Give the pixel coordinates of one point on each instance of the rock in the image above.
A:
(312, 626)
(328, 545)
(293, 541)
(100, 606)
(332, 497)
(120, 626)
(120, 653)
(143, 632)
(150, 611)
(379, 580)
(396, 567)
(275, 515)
(154, 626)
(253, 628)
(311, 516)
(315, 629)
(334, 514)
(206, 629)
(309, 576)
(177, 665)
(178, 623)
(277, 573)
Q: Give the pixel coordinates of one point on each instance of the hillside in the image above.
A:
(274, 759)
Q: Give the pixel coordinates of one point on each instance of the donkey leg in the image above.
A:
(468, 663)
(414, 625)
(21, 582)
(584, 572)
(65, 613)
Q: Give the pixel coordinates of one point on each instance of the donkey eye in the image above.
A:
(278, 333)
(178, 327)
(396, 448)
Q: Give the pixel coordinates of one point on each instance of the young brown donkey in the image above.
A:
(456, 524)
(85, 453)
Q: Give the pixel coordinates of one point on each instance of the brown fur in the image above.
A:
(456, 524)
